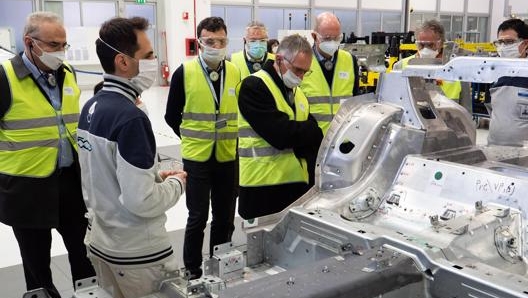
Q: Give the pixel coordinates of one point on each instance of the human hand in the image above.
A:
(180, 174)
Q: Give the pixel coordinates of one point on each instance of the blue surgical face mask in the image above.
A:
(256, 49)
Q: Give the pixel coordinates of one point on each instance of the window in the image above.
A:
(348, 19)
(236, 19)
(147, 11)
(83, 13)
(371, 22)
(13, 15)
(391, 22)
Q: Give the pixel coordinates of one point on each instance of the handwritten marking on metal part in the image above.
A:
(495, 187)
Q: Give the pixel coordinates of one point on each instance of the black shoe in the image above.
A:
(193, 273)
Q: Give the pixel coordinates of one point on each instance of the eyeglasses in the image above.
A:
(337, 38)
(53, 44)
(212, 41)
(297, 70)
(420, 44)
(505, 42)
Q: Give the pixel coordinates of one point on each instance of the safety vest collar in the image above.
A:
(22, 71)
(19, 67)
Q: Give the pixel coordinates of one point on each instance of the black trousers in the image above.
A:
(35, 244)
(214, 181)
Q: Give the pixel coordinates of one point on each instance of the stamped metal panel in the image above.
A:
(350, 151)
(373, 274)
(471, 69)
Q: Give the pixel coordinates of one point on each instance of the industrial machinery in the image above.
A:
(405, 205)
(371, 62)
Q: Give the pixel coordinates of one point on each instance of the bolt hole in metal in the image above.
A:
(346, 147)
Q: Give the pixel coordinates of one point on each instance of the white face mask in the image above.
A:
(509, 51)
(212, 55)
(329, 47)
(53, 60)
(148, 71)
(290, 79)
(428, 53)
(274, 49)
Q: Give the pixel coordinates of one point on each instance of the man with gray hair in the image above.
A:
(40, 182)
(278, 138)
(430, 38)
(255, 52)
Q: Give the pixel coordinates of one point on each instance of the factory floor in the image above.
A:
(11, 272)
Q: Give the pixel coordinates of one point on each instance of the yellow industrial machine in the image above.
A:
(374, 59)
(483, 48)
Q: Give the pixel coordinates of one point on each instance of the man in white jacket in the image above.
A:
(126, 195)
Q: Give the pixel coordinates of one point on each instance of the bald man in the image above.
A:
(334, 72)
(255, 52)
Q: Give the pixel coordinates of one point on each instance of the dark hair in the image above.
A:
(211, 24)
(271, 43)
(516, 25)
(118, 34)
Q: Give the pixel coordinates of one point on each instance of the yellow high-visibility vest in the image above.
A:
(29, 133)
(203, 126)
(240, 61)
(325, 100)
(262, 164)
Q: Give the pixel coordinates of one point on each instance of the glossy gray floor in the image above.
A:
(12, 278)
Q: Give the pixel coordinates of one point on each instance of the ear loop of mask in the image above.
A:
(108, 45)
(292, 95)
(50, 78)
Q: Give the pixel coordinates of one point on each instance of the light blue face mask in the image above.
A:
(256, 49)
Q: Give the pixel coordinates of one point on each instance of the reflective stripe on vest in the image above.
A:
(324, 102)
(451, 89)
(260, 163)
(29, 134)
(240, 61)
(202, 126)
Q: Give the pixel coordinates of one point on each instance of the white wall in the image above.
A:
(382, 4)
(497, 17)
(519, 7)
(451, 6)
(478, 6)
(283, 3)
(178, 29)
(335, 3)
(423, 5)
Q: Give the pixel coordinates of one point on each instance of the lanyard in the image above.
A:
(210, 83)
